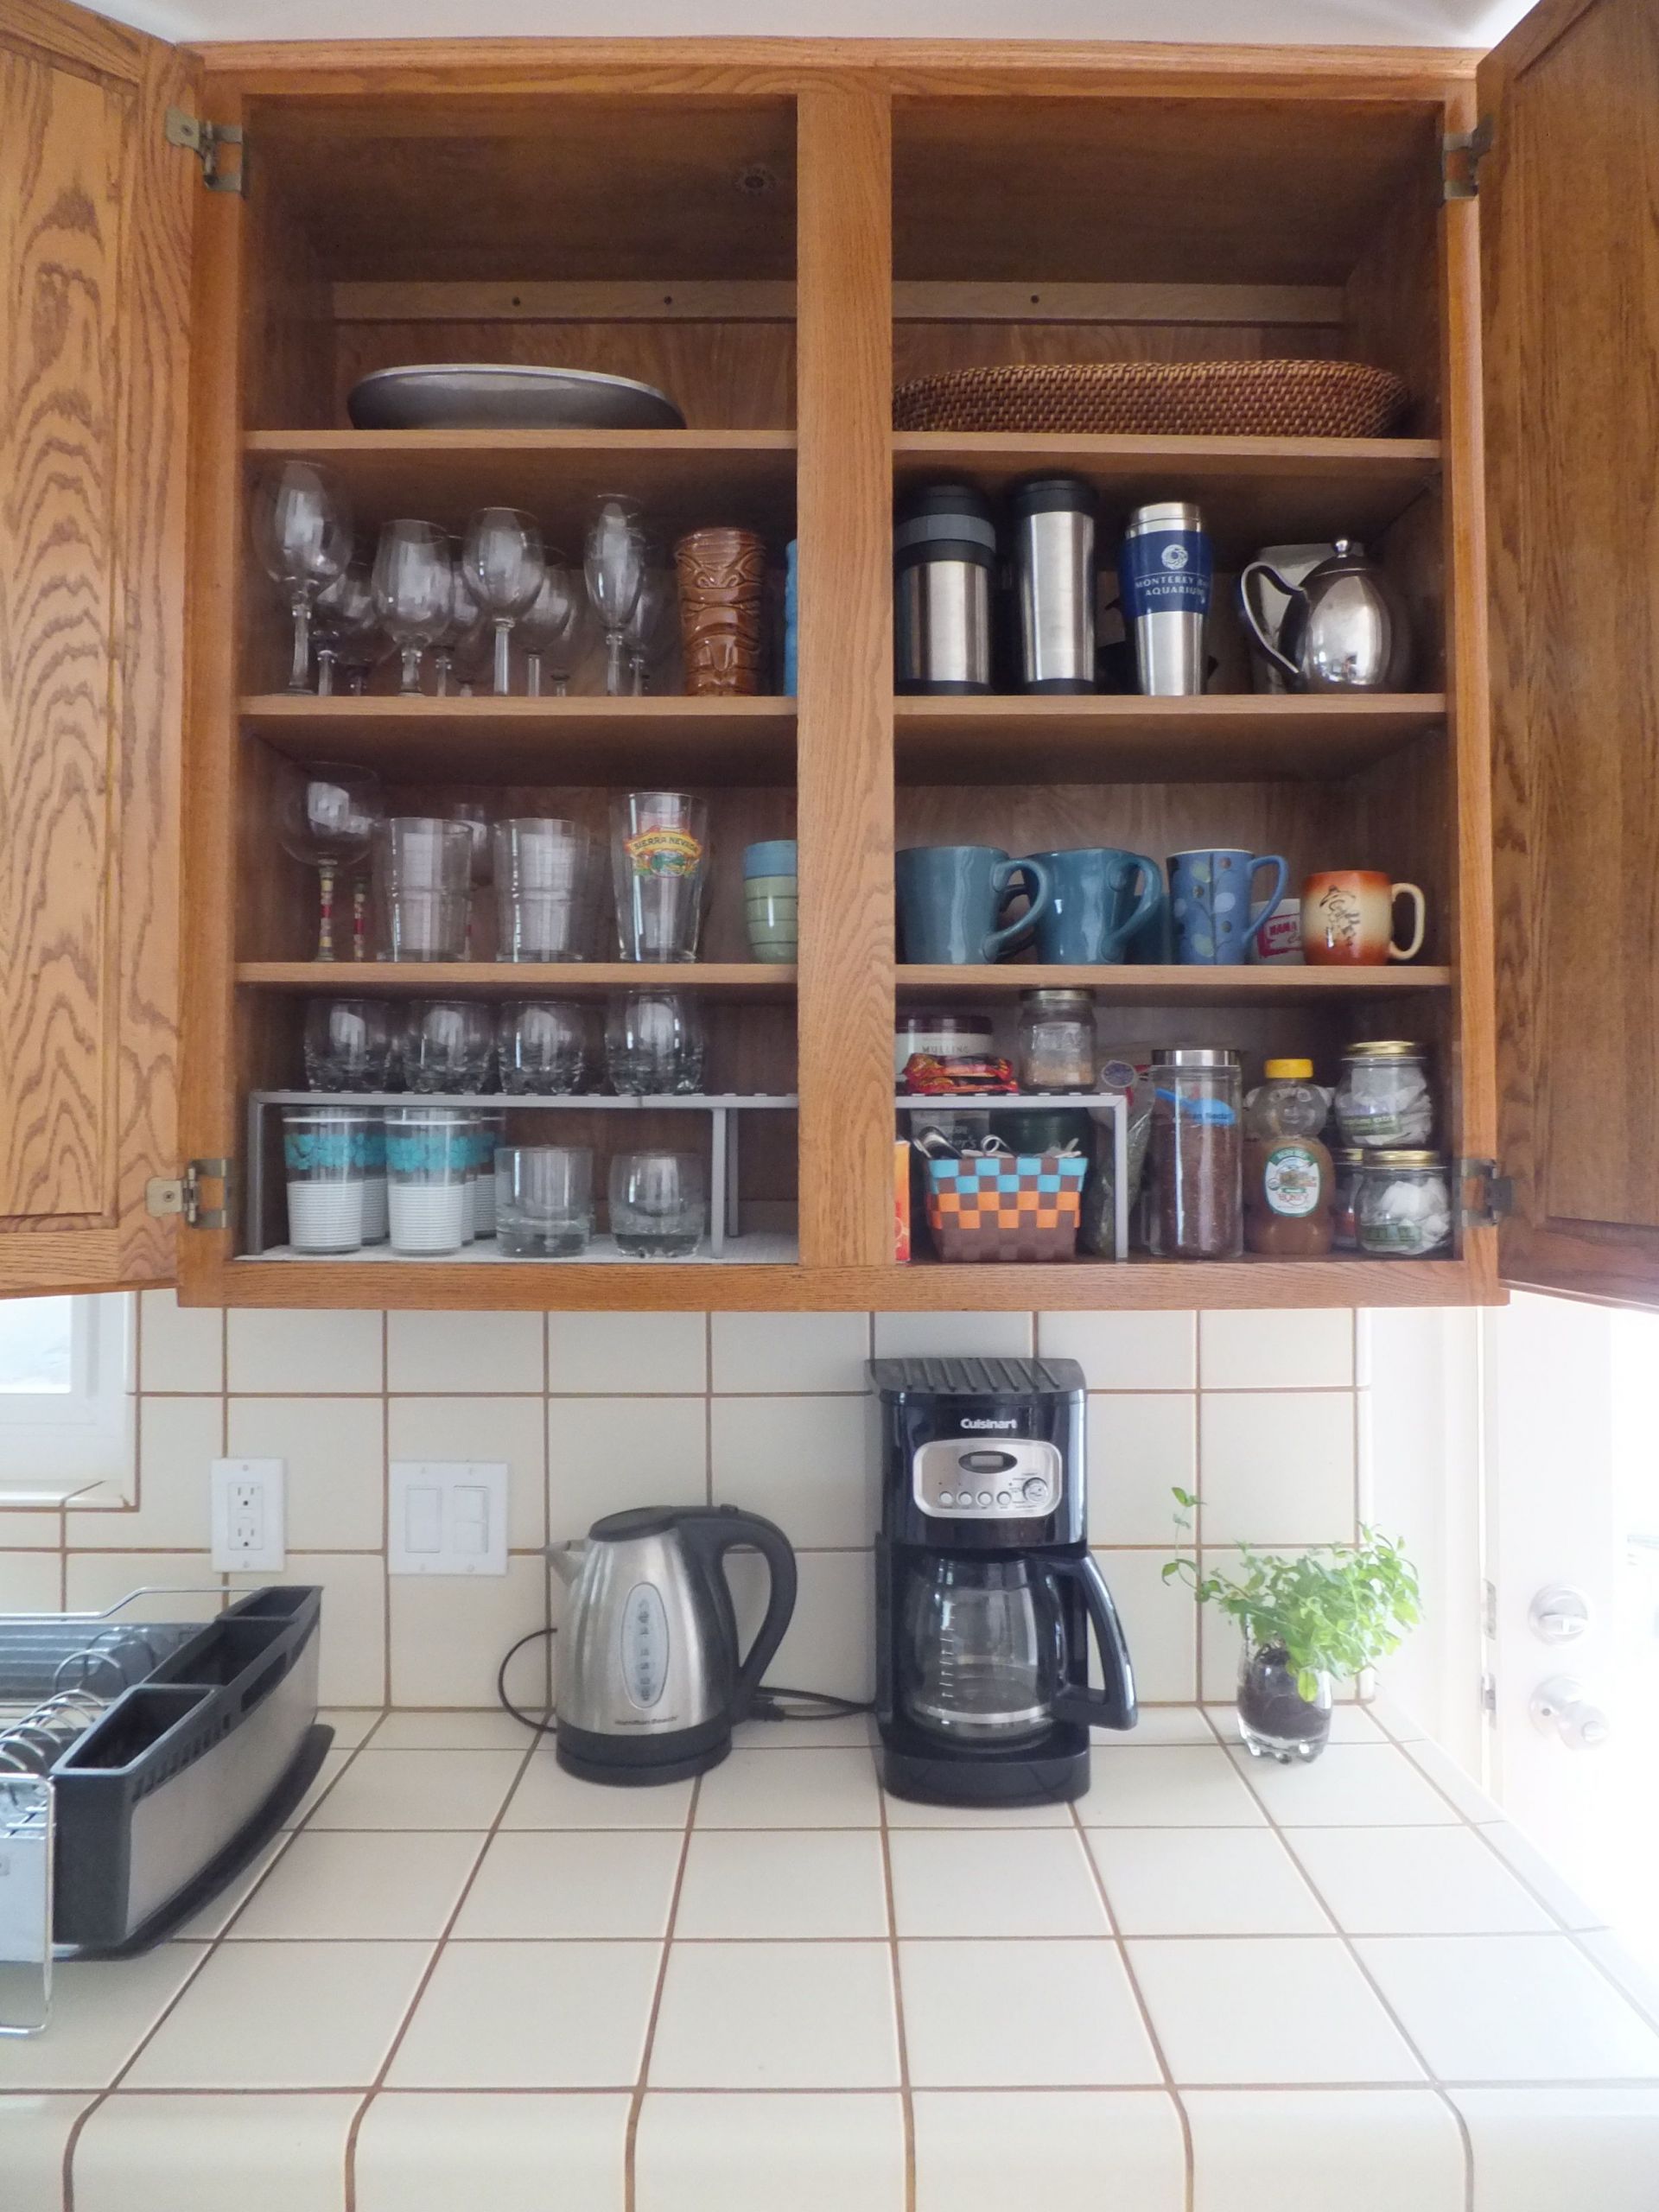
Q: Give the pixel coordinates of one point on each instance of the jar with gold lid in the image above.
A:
(1382, 1096)
(1403, 1210)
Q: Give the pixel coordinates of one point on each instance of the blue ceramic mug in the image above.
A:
(951, 897)
(1210, 903)
(1099, 898)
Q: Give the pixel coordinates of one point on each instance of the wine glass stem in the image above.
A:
(637, 663)
(561, 684)
(443, 664)
(325, 671)
(411, 670)
(360, 920)
(532, 676)
(503, 668)
(326, 923)
(299, 675)
(615, 641)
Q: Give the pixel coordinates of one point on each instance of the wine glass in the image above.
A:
(553, 620)
(505, 564)
(466, 621)
(614, 565)
(648, 624)
(302, 532)
(413, 591)
(344, 618)
(326, 817)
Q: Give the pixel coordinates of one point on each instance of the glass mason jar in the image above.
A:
(1274, 1719)
(1057, 1040)
(1403, 1207)
(1196, 1210)
(1383, 1097)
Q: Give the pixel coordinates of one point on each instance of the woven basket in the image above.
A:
(1263, 399)
(999, 1206)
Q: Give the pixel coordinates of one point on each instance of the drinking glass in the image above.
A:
(615, 565)
(659, 1205)
(659, 854)
(542, 1046)
(302, 533)
(326, 816)
(463, 628)
(548, 878)
(376, 1220)
(325, 1154)
(414, 591)
(476, 815)
(346, 623)
(424, 871)
(447, 1044)
(543, 1201)
(553, 624)
(347, 1044)
(648, 625)
(653, 1042)
(489, 1133)
(504, 563)
(428, 1158)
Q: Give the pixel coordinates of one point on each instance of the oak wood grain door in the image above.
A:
(95, 230)
(1569, 219)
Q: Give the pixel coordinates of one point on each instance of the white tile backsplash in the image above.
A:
(806, 1463)
(1278, 1467)
(1279, 1350)
(180, 1347)
(468, 1353)
(604, 1453)
(790, 1351)
(627, 1353)
(303, 1351)
(334, 1451)
(935, 1336)
(511, 1430)
(1142, 1445)
(1124, 1351)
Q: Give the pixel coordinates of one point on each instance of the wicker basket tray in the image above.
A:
(1006, 1206)
(1264, 399)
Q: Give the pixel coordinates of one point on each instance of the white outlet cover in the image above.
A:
(447, 1516)
(249, 1536)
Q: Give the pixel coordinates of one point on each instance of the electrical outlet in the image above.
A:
(448, 1516)
(248, 1534)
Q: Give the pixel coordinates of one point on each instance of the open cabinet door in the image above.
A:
(1569, 223)
(96, 210)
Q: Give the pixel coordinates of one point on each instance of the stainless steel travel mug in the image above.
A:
(944, 547)
(1052, 525)
(1164, 575)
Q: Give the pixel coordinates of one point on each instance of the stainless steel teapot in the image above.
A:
(1345, 628)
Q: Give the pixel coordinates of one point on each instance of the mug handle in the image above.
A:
(1411, 891)
(1258, 628)
(1037, 888)
(1152, 897)
(1266, 859)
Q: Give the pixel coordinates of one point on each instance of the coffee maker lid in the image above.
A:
(977, 1378)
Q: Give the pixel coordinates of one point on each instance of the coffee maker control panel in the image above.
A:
(986, 1478)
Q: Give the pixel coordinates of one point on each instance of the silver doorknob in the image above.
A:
(1558, 1614)
(1561, 1706)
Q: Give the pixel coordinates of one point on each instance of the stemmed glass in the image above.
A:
(615, 569)
(413, 592)
(466, 621)
(647, 626)
(552, 624)
(326, 817)
(505, 564)
(346, 621)
(302, 532)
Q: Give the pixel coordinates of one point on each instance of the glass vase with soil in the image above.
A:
(1276, 1718)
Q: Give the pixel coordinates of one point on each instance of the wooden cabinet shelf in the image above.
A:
(1241, 737)
(514, 740)
(1152, 986)
(516, 979)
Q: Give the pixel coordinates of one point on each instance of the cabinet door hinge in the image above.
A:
(165, 1195)
(1495, 1200)
(207, 141)
(1461, 154)
(1489, 1696)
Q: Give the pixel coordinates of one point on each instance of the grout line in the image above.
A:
(906, 2105)
(636, 2102)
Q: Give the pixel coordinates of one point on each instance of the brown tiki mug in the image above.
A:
(722, 576)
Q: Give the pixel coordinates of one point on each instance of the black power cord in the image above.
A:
(767, 1703)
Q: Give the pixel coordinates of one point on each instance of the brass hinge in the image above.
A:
(206, 141)
(1495, 1201)
(182, 1195)
(1461, 154)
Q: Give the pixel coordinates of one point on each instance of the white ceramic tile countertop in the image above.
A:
(1226, 1987)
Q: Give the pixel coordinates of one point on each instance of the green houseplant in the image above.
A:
(1308, 1620)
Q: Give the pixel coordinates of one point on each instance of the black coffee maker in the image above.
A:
(985, 1595)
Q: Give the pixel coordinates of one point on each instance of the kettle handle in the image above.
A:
(1114, 1707)
(718, 1530)
(1253, 620)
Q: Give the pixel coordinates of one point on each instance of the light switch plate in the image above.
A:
(247, 1504)
(448, 1516)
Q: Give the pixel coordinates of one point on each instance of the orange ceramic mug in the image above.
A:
(1348, 919)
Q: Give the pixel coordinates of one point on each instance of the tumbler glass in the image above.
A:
(548, 876)
(423, 872)
(325, 1154)
(447, 1044)
(376, 1219)
(347, 1044)
(489, 1133)
(659, 857)
(428, 1155)
(659, 1205)
(542, 1046)
(653, 1042)
(543, 1200)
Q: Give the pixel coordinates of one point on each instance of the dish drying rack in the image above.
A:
(142, 1763)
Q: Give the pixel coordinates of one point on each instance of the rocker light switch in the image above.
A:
(449, 1516)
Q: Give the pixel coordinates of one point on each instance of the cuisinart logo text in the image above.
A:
(987, 1424)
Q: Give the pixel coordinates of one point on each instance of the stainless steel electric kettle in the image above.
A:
(650, 1678)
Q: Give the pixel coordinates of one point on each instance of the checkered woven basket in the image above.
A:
(999, 1206)
(1264, 399)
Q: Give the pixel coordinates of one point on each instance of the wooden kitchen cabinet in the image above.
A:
(775, 230)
